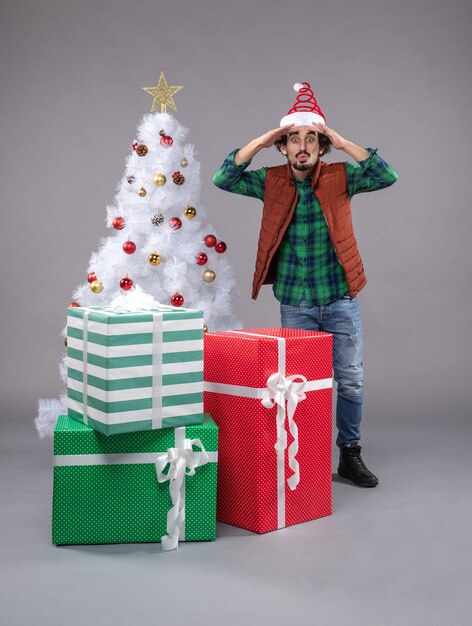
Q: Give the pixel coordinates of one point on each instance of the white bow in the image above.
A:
(279, 389)
(182, 462)
(133, 301)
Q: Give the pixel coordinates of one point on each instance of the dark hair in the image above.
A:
(325, 143)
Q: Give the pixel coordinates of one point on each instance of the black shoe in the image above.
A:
(352, 467)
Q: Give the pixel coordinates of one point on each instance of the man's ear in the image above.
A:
(283, 149)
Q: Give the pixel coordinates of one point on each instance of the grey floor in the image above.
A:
(398, 555)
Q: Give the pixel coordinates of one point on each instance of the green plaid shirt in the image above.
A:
(306, 266)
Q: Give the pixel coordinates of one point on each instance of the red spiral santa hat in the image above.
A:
(305, 110)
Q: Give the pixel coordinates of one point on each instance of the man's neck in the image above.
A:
(301, 175)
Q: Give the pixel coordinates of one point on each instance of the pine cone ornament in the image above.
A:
(141, 150)
(157, 219)
(178, 178)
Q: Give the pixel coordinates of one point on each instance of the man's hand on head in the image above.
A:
(264, 141)
(337, 141)
(270, 137)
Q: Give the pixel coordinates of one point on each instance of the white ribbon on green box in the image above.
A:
(182, 460)
(131, 371)
(285, 393)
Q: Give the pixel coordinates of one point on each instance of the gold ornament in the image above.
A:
(154, 258)
(205, 328)
(162, 94)
(208, 276)
(190, 212)
(96, 286)
(159, 179)
(184, 162)
(142, 192)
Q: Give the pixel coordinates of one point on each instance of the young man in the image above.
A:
(307, 247)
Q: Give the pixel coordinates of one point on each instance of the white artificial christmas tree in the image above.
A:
(160, 240)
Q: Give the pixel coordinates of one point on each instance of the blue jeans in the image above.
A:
(342, 318)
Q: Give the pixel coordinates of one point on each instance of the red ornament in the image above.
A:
(175, 223)
(126, 283)
(134, 145)
(72, 305)
(177, 299)
(91, 277)
(118, 223)
(129, 247)
(210, 241)
(220, 247)
(201, 258)
(166, 141)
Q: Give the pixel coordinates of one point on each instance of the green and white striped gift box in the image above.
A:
(138, 371)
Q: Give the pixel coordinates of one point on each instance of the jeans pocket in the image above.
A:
(293, 307)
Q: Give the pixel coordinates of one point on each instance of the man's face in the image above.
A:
(302, 149)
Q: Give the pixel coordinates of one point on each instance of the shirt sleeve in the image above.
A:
(232, 177)
(370, 174)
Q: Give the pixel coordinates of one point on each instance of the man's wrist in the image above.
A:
(255, 146)
(245, 154)
(355, 151)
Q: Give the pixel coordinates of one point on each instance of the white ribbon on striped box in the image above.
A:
(285, 393)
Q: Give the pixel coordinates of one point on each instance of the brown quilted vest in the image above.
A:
(280, 199)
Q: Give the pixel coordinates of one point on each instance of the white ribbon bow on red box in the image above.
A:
(280, 390)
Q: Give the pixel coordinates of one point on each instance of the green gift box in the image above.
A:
(134, 371)
(134, 487)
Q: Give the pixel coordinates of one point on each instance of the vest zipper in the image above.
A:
(267, 265)
(327, 226)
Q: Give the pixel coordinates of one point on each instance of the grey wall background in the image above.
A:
(390, 74)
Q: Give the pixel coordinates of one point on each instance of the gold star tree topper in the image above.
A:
(163, 93)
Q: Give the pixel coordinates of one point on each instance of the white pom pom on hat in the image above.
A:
(305, 110)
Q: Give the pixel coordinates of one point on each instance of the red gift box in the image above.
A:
(270, 392)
